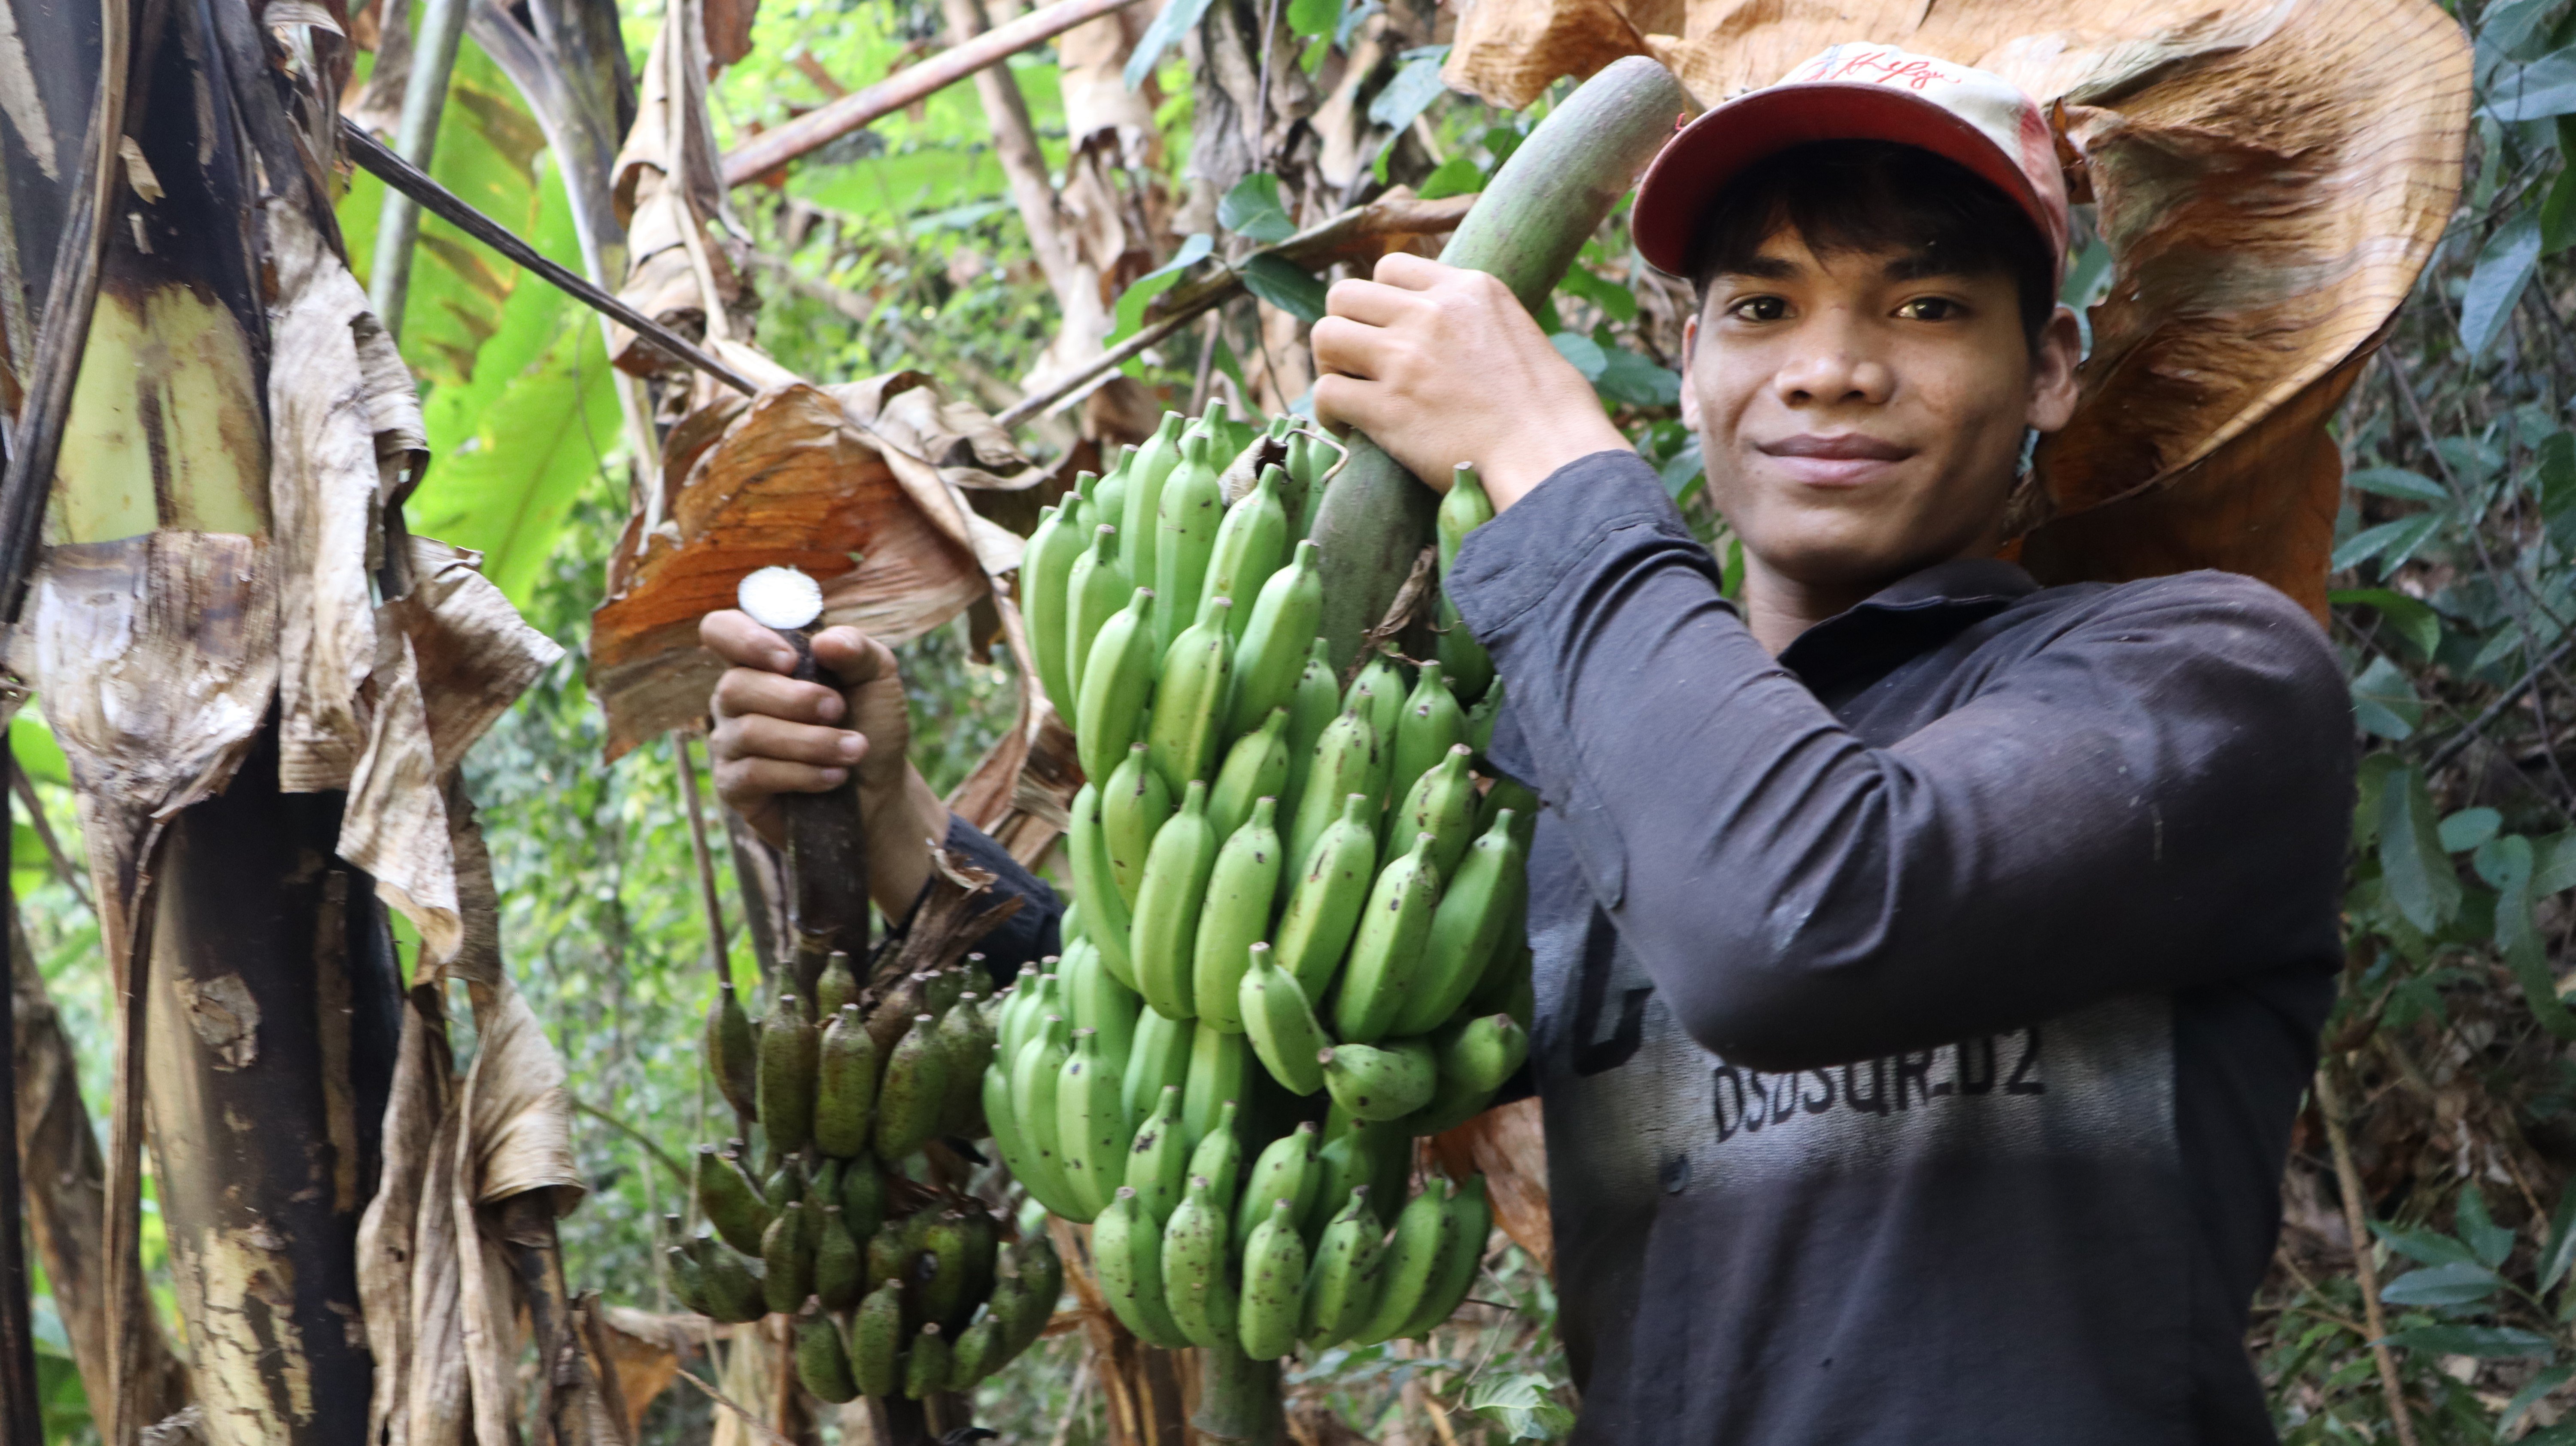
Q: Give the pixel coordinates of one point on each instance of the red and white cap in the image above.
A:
(1856, 92)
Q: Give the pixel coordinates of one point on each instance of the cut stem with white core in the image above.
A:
(784, 598)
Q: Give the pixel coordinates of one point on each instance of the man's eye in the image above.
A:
(1760, 308)
(1931, 308)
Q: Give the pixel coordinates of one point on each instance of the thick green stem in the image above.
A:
(1544, 203)
(1239, 1398)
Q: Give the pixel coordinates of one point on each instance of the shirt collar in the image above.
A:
(1941, 598)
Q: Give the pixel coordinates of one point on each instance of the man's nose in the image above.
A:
(1830, 366)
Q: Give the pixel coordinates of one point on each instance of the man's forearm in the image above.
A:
(900, 834)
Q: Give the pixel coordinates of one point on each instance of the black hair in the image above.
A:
(1874, 196)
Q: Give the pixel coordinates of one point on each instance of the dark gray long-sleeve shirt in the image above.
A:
(1922, 1013)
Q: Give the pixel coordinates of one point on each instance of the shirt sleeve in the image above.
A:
(1028, 935)
(2155, 796)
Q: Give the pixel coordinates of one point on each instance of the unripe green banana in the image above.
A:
(942, 988)
(1388, 947)
(1153, 465)
(1220, 1074)
(1430, 724)
(1469, 669)
(1349, 1159)
(733, 1205)
(785, 1185)
(1004, 1122)
(822, 1361)
(1462, 1249)
(925, 1370)
(1474, 913)
(1159, 1057)
(1312, 706)
(845, 1085)
(1091, 1123)
(1109, 495)
(1046, 571)
(837, 987)
(1515, 795)
(1127, 1249)
(1034, 1078)
(1095, 882)
(1280, 1024)
(1097, 588)
(688, 1286)
(1342, 1285)
(1100, 1002)
(862, 1197)
(978, 1354)
(1158, 1159)
(891, 1253)
(733, 1287)
(1345, 763)
(1188, 512)
(840, 1267)
(1378, 694)
(1461, 1094)
(1380, 1084)
(1441, 803)
(1415, 1252)
(1331, 890)
(1463, 509)
(1482, 1051)
(1251, 543)
(1278, 635)
(1017, 1018)
(1167, 906)
(1506, 986)
(1117, 682)
(733, 1052)
(1196, 1282)
(947, 1296)
(914, 1093)
(1189, 699)
(1071, 926)
(1042, 1270)
(1274, 1285)
(787, 1258)
(1218, 1156)
(1255, 767)
(1235, 916)
(966, 1040)
(789, 1046)
(1134, 804)
(1285, 1171)
(876, 1342)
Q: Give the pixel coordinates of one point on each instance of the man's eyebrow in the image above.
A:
(1763, 268)
(1920, 266)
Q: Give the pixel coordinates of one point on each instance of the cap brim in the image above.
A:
(1709, 152)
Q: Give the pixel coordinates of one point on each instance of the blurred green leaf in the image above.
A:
(2528, 1397)
(2384, 704)
(35, 749)
(1412, 90)
(2504, 267)
(1142, 291)
(2478, 1230)
(1314, 17)
(1631, 379)
(2390, 542)
(2417, 872)
(2463, 1282)
(2506, 864)
(1585, 353)
(1523, 1405)
(2398, 482)
(1284, 286)
(2487, 1343)
(2535, 90)
(2468, 828)
(1252, 210)
(2412, 618)
(1177, 19)
(1455, 176)
(1616, 301)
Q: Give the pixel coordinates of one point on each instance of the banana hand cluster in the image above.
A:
(1298, 930)
(896, 1286)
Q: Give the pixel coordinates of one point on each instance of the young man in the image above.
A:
(1929, 964)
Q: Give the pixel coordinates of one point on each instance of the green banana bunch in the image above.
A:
(1167, 905)
(914, 1092)
(1277, 637)
(1282, 1028)
(734, 1292)
(1140, 520)
(1188, 512)
(1189, 699)
(1474, 913)
(876, 1342)
(733, 1052)
(1255, 767)
(1285, 1174)
(1117, 681)
(1430, 725)
(840, 1266)
(1096, 1001)
(733, 1205)
(1220, 1074)
(925, 1369)
(837, 987)
(1160, 1057)
(822, 1360)
(845, 1084)
(1234, 918)
(1380, 1084)
(1342, 1284)
(787, 1260)
(1441, 803)
(1344, 763)
(1127, 1250)
(1312, 706)
(1468, 1220)
(1158, 1161)
(1096, 589)
(1388, 947)
(1095, 882)
(1034, 1079)
(1251, 543)
(1218, 1156)
(789, 1046)
(1332, 888)
(1274, 1285)
(1134, 805)
(1412, 1256)
(1046, 568)
(1091, 1123)
(1197, 1285)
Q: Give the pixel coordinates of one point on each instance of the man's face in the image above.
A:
(1862, 414)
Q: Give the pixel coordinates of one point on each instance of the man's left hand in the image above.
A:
(1441, 365)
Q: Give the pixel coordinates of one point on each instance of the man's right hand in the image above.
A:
(774, 735)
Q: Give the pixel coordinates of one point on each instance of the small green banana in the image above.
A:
(845, 1084)
(837, 987)
(1153, 465)
(1387, 950)
(1430, 724)
(1441, 803)
(1158, 1159)
(1046, 570)
(789, 1045)
(688, 1285)
(1483, 1051)
(787, 1260)
(891, 1253)
(1285, 1172)
(1042, 1270)
(785, 1185)
(1280, 1024)
(1380, 1084)
(734, 1290)
(1463, 509)
(1378, 693)
(1462, 1249)
(1515, 795)
(1159, 1057)
(925, 1370)
(1097, 588)
(1095, 882)
(1134, 804)
(966, 1039)
(1468, 925)
(1197, 1285)
(1342, 1284)
(1278, 635)
(1218, 1156)
(914, 1093)
(1411, 1257)
(1100, 1002)
(1220, 1074)
(1109, 496)
(862, 1197)
(1127, 1250)
(1013, 1028)
(948, 1295)
(1117, 683)
(1091, 1123)
(1312, 707)
(876, 1342)
(1188, 513)
(1251, 543)
(978, 1353)
(942, 988)
(1507, 987)
(1469, 669)
(1034, 1079)
(1255, 767)
(1455, 1098)
(1330, 892)
(822, 1361)
(1189, 698)
(733, 1052)
(1274, 1285)
(1235, 917)
(1350, 1158)
(1167, 906)
(732, 1203)
(1345, 762)
(840, 1266)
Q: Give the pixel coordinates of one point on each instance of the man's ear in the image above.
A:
(2052, 372)
(1690, 348)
